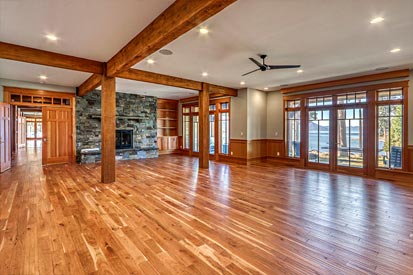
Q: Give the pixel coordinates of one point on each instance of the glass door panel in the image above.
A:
(319, 136)
(39, 129)
(211, 133)
(350, 147)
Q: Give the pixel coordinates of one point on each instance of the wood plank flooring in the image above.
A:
(164, 216)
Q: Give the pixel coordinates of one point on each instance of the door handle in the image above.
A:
(44, 139)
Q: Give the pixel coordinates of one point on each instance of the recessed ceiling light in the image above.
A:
(203, 30)
(242, 83)
(150, 61)
(395, 50)
(204, 74)
(266, 88)
(377, 20)
(52, 37)
(300, 71)
(43, 77)
(165, 52)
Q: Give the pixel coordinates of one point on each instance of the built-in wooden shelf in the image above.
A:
(167, 125)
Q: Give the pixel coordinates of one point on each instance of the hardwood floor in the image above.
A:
(164, 216)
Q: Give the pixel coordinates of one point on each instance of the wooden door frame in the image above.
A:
(8, 91)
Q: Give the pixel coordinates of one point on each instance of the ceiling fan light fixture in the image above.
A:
(300, 71)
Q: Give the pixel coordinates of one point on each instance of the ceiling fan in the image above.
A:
(264, 67)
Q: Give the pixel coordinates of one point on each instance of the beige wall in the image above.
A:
(256, 114)
(275, 110)
(31, 85)
(238, 115)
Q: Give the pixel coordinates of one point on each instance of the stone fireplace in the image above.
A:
(135, 127)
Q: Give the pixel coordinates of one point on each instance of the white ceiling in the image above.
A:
(328, 38)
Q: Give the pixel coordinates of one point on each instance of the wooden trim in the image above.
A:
(347, 81)
(177, 19)
(35, 56)
(402, 84)
(162, 79)
(90, 84)
(26, 91)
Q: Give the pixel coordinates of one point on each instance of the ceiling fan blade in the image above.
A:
(256, 62)
(274, 67)
(251, 72)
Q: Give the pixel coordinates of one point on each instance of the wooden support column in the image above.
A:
(108, 126)
(204, 126)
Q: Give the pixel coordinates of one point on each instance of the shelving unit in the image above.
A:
(167, 121)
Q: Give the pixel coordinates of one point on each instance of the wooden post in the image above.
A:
(108, 126)
(204, 126)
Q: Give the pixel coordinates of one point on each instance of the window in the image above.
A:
(320, 101)
(390, 136)
(319, 136)
(390, 94)
(186, 131)
(293, 133)
(224, 132)
(211, 133)
(195, 133)
(352, 98)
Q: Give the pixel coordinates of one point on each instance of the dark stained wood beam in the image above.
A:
(35, 56)
(204, 126)
(177, 19)
(347, 81)
(90, 84)
(162, 79)
(108, 126)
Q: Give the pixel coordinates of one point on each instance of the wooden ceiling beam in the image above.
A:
(177, 19)
(40, 57)
(162, 79)
(215, 89)
(90, 84)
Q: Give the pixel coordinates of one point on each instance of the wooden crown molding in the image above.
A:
(27, 91)
(348, 81)
(35, 56)
(177, 19)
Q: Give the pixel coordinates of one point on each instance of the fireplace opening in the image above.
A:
(124, 139)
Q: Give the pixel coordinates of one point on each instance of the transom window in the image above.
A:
(320, 101)
(351, 98)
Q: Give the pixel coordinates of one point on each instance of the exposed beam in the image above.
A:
(204, 126)
(177, 19)
(90, 84)
(215, 89)
(108, 129)
(162, 79)
(347, 81)
(196, 98)
(35, 56)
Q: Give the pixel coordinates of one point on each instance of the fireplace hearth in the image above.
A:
(124, 139)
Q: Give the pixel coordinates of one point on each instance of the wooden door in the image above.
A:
(57, 135)
(5, 142)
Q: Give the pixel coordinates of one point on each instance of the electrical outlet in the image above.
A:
(242, 133)
(276, 134)
(278, 154)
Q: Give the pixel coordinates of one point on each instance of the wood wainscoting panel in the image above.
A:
(238, 148)
(257, 148)
(275, 148)
(410, 158)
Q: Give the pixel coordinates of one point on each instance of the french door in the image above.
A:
(350, 149)
(5, 142)
(336, 138)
